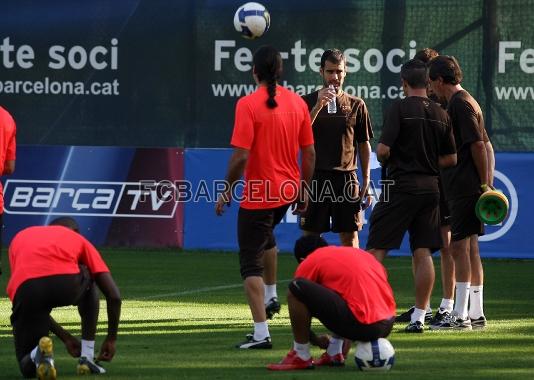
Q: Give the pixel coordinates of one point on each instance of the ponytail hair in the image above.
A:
(268, 68)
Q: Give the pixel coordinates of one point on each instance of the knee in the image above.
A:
(295, 288)
(290, 295)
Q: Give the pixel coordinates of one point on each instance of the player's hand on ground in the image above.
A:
(107, 350)
(222, 200)
(73, 346)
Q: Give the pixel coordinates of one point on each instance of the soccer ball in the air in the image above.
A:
(252, 20)
(376, 355)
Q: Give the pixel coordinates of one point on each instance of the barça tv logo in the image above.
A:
(86, 198)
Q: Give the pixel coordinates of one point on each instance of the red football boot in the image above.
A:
(291, 362)
(338, 360)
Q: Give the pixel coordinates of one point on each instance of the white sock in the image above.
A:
(418, 315)
(428, 308)
(335, 346)
(270, 292)
(446, 305)
(88, 349)
(476, 309)
(261, 330)
(33, 353)
(302, 350)
(462, 297)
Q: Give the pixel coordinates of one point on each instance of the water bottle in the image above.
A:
(332, 108)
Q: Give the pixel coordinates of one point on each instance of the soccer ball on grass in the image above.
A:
(377, 355)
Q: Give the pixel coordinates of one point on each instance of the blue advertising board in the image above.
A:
(115, 194)
(204, 230)
(102, 186)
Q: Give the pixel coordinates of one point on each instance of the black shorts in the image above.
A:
(464, 221)
(334, 313)
(35, 299)
(417, 214)
(444, 213)
(255, 234)
(334, 203)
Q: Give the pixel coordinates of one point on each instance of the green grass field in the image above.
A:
(183, 312)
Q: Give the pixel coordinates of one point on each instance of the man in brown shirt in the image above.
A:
(339, 137)
(416, 141)
(463, 186)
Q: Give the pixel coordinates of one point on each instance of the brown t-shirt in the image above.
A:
(418, 131)
(337, 135)
(468, 127)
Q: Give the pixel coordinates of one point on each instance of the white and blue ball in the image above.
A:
(252, 20)
(376, 355)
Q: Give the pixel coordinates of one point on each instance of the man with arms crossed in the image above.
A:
(447, 262)
(339, 139)
(271, 126)
(416, 141)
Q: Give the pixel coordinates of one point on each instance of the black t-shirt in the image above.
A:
(337, 135)
(468, 127)
(418, 131)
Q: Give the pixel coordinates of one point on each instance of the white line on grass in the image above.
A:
(199, 290)
(215, 288)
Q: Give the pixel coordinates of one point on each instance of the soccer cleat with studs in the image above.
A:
(337, 360)
(452, 322)
(44, 360)
(441, 314)
(88, 367)
(407, 315)
(291, 362)
(415, 327)
(478, 323)
(251, 343)
(272, 307)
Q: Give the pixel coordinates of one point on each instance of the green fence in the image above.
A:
(180, 66)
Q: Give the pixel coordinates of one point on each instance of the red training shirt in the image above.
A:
(8, 144)
(356, 276)
(273, 137)
(44, 251)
